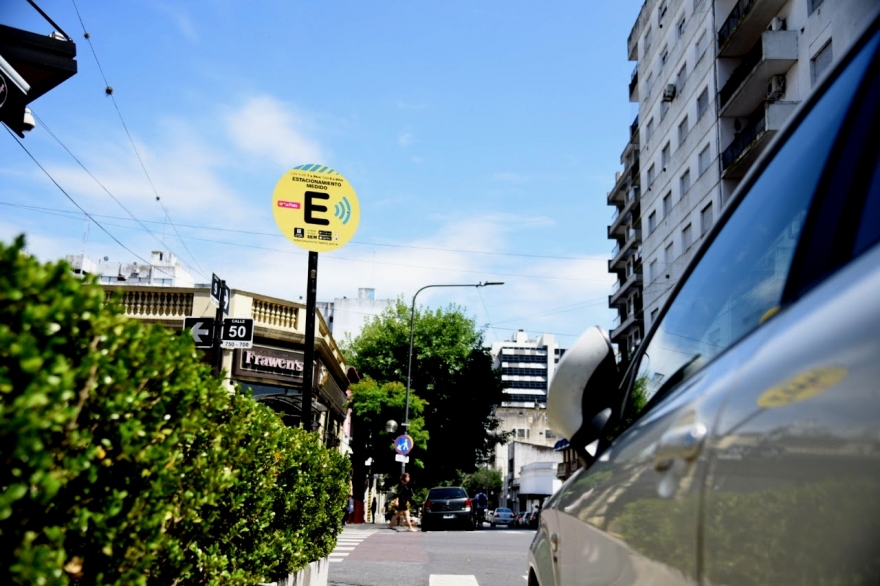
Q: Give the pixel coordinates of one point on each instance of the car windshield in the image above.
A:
(738, 284)
(503, 510)
(447, 493)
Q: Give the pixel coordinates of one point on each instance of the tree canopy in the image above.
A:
(451, 371)
(372, 405)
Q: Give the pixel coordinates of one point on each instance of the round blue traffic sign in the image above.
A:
(403, 444)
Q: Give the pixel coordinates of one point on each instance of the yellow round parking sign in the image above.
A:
(316, 208)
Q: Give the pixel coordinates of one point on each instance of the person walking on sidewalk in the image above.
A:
(404, 496)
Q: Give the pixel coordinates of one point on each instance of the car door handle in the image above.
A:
(682, 442)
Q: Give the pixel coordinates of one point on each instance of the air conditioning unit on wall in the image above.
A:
(776, 88)
(669, 92)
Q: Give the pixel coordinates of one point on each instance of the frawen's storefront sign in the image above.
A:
(271, 363)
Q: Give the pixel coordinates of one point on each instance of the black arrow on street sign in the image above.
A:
(201, 330)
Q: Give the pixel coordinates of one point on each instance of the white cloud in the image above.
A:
(181, 20)
(406, 139)
(266, 127)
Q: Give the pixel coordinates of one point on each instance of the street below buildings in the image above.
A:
(371, 555)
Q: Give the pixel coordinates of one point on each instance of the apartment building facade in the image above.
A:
(714, 81)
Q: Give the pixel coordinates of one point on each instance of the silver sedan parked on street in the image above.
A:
(502, 516)
(741, 443)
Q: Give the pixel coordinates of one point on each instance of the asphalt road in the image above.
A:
(370, 555)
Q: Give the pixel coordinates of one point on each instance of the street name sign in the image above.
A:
(201, 330)
(215, 290)
(316, 208)
(237, 333)
(401, 458)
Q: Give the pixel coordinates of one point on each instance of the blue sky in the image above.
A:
(481, 138)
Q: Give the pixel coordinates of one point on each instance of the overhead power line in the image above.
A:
(275, 234)
(108, 90)
(74, 202)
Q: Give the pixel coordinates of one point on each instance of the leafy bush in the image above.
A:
(124, 461)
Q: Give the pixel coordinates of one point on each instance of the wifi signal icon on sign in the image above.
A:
(343, 210)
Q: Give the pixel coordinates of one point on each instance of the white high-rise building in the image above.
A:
(347, 317)
(714, 81)
(527, 366)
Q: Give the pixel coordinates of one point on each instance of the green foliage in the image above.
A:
(487, 480)
(451, 371)
(372, 405)
(125, 462)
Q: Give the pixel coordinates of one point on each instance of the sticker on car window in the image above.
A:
(802, 386)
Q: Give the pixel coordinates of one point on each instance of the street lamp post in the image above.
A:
(412, 316)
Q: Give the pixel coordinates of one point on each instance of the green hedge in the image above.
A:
(124, 461)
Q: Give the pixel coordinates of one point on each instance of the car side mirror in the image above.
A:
(583, 392)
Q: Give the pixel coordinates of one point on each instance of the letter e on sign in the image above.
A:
(316, 208)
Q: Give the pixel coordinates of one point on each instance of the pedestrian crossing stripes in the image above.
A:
(345, 544)
(452, 580)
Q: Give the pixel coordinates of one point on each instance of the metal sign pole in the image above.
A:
(216, 351)
(309, 349)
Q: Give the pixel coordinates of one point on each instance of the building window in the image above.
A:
(661, 11)
(664, 55)
(652, 270)
(654, 313)
(701, 46)
(647, 42)
(685, 182)
(652, 222)
(649, 130)
(683, 130)
(664, 156)
(706, 219)
(703, 160)
(682, 77)
(649, 85)
(667, 204)
(702, 103)
(667, 255)
(820, 62)
(813, 5)
(664, 108)
(681, 25)
(687, 238)
(549, 434)
(651, 175)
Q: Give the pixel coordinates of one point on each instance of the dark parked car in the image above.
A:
(447, 507)
(741, 444)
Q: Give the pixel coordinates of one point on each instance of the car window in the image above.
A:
(739, 281)
(447, 493)
(502, 510)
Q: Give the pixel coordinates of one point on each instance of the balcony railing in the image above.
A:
(733, 19)
(566, 469)
(634, 81)
(748, 135)
(274, 314)
(634, 130)
(742, 71)
(156, 304)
